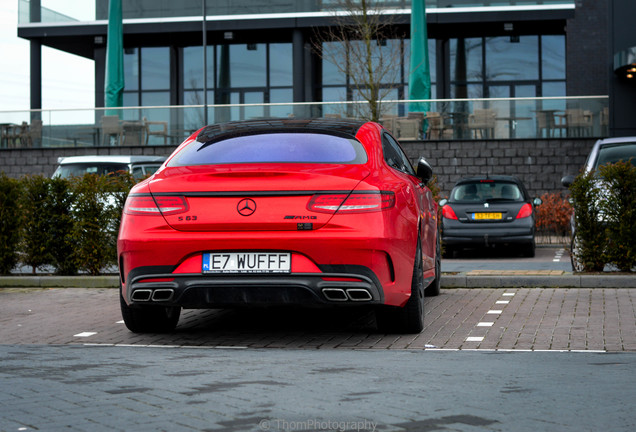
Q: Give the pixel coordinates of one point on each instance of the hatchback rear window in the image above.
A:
(273, 148)
(487, 191)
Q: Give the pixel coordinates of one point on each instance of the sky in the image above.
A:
(68, 81)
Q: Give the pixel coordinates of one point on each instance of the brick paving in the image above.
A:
(486, 319)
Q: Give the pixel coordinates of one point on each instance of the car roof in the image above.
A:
(123, 159)
(342, 127)
(618, 140)
(489, 177)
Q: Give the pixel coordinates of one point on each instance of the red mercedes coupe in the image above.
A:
(317, 212)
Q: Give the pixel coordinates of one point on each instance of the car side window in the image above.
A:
(394, 156)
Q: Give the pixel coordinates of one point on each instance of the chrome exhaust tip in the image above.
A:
(335, 294)
(359, 294)
(142, 295)
(162, 295)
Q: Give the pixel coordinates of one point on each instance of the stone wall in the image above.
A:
(539, 163)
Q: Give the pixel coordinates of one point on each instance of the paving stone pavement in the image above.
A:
(599, 319)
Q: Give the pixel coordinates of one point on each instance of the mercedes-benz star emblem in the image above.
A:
(246, 207)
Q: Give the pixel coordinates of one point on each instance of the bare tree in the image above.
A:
(363, 45)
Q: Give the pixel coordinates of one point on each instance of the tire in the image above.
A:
(433, 289)
(577, 266)
(149, 319)
(529, 249)
(410, 318)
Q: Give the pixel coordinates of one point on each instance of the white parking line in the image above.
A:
(485, 324)
(85, 334)
(494, 312)
(474, 339)
(558, 255)
(502, 302)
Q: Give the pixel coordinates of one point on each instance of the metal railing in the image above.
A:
(88, 10)
(436, 119)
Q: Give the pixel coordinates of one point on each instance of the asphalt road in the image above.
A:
(54, 388)
(546, 258)
(513, 359)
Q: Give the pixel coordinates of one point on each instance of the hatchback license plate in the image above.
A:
(247, 262)
(486, 216)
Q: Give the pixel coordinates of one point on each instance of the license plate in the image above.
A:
(247, 262)
(486, 216)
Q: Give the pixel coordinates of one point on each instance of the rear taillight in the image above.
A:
(148, 206)
(354, 203)
(525, 211)
(448, 212)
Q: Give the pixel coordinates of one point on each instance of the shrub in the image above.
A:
(619, 211)
(62, 249)
(10, 228)
(554, 214)
(37, 222)
(93, 224)
(590, 239)
(605, 218)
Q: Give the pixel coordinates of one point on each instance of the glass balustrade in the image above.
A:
(441, 119)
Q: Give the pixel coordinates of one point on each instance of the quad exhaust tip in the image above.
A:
(158, 295)
(342, 295)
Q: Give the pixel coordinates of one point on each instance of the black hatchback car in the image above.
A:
(487, 211)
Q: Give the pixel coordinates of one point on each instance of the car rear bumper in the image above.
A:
(341, 286)
(457, 236)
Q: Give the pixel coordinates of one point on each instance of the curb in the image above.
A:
(460, 280)
(567, 280)
(59, 282)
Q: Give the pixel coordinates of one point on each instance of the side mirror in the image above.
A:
(567, 180)
(537, 201)
(424, 171)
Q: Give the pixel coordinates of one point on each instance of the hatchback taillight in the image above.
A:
(525, 211)
(148, 206)
(354, 203)
(448, 212)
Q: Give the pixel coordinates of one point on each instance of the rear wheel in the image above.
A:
(410, 318)
(434, 288)
(149, 319)
(529, 249)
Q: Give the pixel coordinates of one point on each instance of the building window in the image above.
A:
(344, 80)
(507, 66)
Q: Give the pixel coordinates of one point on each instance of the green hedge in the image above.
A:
(604, 205)
(71, 225)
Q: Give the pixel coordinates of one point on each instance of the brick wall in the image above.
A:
(19, 162)
(539, 163)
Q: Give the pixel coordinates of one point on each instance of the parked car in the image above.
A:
(604, 151)
(77, 166)
(489, 210)
(326, 213)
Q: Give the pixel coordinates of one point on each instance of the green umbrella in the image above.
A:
(419, 74)
(114, 83)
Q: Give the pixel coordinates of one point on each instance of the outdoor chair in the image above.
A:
(482, 121)
(111, 127)
(151, 130)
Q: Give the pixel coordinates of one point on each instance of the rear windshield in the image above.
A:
(79, 169)
(272, 148)
(486, 191)
(615, 153)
